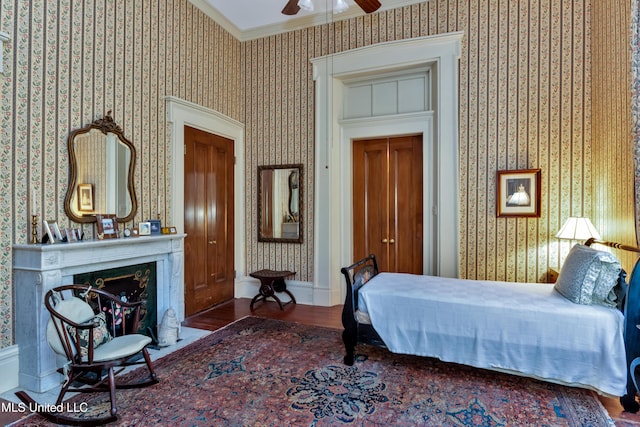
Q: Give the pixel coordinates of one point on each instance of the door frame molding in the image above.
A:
(181, 113)
(331, 241)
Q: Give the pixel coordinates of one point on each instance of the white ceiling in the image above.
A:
(250, 19)
(250, 14)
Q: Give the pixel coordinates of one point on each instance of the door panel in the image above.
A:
(370, 199)
(209, 224)
(406, 207)
(195, 218)
(220, 242)
(387, 202)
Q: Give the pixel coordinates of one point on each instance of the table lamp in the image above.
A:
(575, 228)
(578, 228)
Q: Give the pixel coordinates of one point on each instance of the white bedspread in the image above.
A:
(524, 327)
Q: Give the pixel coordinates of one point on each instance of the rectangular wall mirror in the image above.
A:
(280, 203)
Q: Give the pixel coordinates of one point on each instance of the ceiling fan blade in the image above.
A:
(291, 8)
(369, 6)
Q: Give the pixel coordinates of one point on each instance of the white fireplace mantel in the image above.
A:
(39, 268)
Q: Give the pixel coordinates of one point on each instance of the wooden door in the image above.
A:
(387, 202)
(208, 220)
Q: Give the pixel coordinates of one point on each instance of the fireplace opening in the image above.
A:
(131, 283)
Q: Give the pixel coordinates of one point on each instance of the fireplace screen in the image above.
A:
(131, 283)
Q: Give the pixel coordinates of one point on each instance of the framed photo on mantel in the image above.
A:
(47, 232)
(107, 226)
(156, 226)
(144, 228)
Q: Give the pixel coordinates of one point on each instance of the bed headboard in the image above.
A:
(630, 305)
(612, 245)
(356, 275)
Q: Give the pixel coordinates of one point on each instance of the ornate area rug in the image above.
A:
(258, 372)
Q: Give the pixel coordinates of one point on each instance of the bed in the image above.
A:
(543, 331)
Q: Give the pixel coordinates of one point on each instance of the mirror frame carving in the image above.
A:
(104, 125)
(261, 238)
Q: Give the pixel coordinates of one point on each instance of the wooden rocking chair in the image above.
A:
(97, 333)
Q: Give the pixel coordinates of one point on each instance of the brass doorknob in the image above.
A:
(392, 241)
(384, 240)
(212, 242)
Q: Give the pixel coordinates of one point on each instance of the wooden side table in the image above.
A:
(552, 275)
(271, 282)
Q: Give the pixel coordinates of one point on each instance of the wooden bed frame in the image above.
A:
(355, 332)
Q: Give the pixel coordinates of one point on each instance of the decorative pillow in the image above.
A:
(589, 276)
(101, 333)
(604, 292)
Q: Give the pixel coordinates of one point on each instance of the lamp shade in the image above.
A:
(578, 229)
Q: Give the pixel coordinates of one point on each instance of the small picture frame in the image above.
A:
(71, 235)
(519, 193)
(85, 197)
(155, 226)
(144, 228)
(135, 232)
(107, 226)
(169, 230)
(47, 232)
(55, 229)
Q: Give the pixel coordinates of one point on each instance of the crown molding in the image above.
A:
(294, 23)
(213, 13)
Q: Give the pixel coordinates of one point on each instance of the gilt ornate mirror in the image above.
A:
(280, 203)
(102, 163)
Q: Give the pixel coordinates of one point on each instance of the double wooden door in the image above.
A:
(208, 220)
(388, 202)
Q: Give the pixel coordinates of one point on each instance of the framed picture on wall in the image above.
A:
(519, 193)
(85, 197)
(107, 226)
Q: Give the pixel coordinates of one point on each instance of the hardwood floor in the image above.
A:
(238, 308)
(330, 317)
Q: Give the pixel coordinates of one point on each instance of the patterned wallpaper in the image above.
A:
(525, 102)
(635, 104)
(67, 64)
(612, 164)
(525, 98)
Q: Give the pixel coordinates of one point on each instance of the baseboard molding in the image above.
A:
(9, 366)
